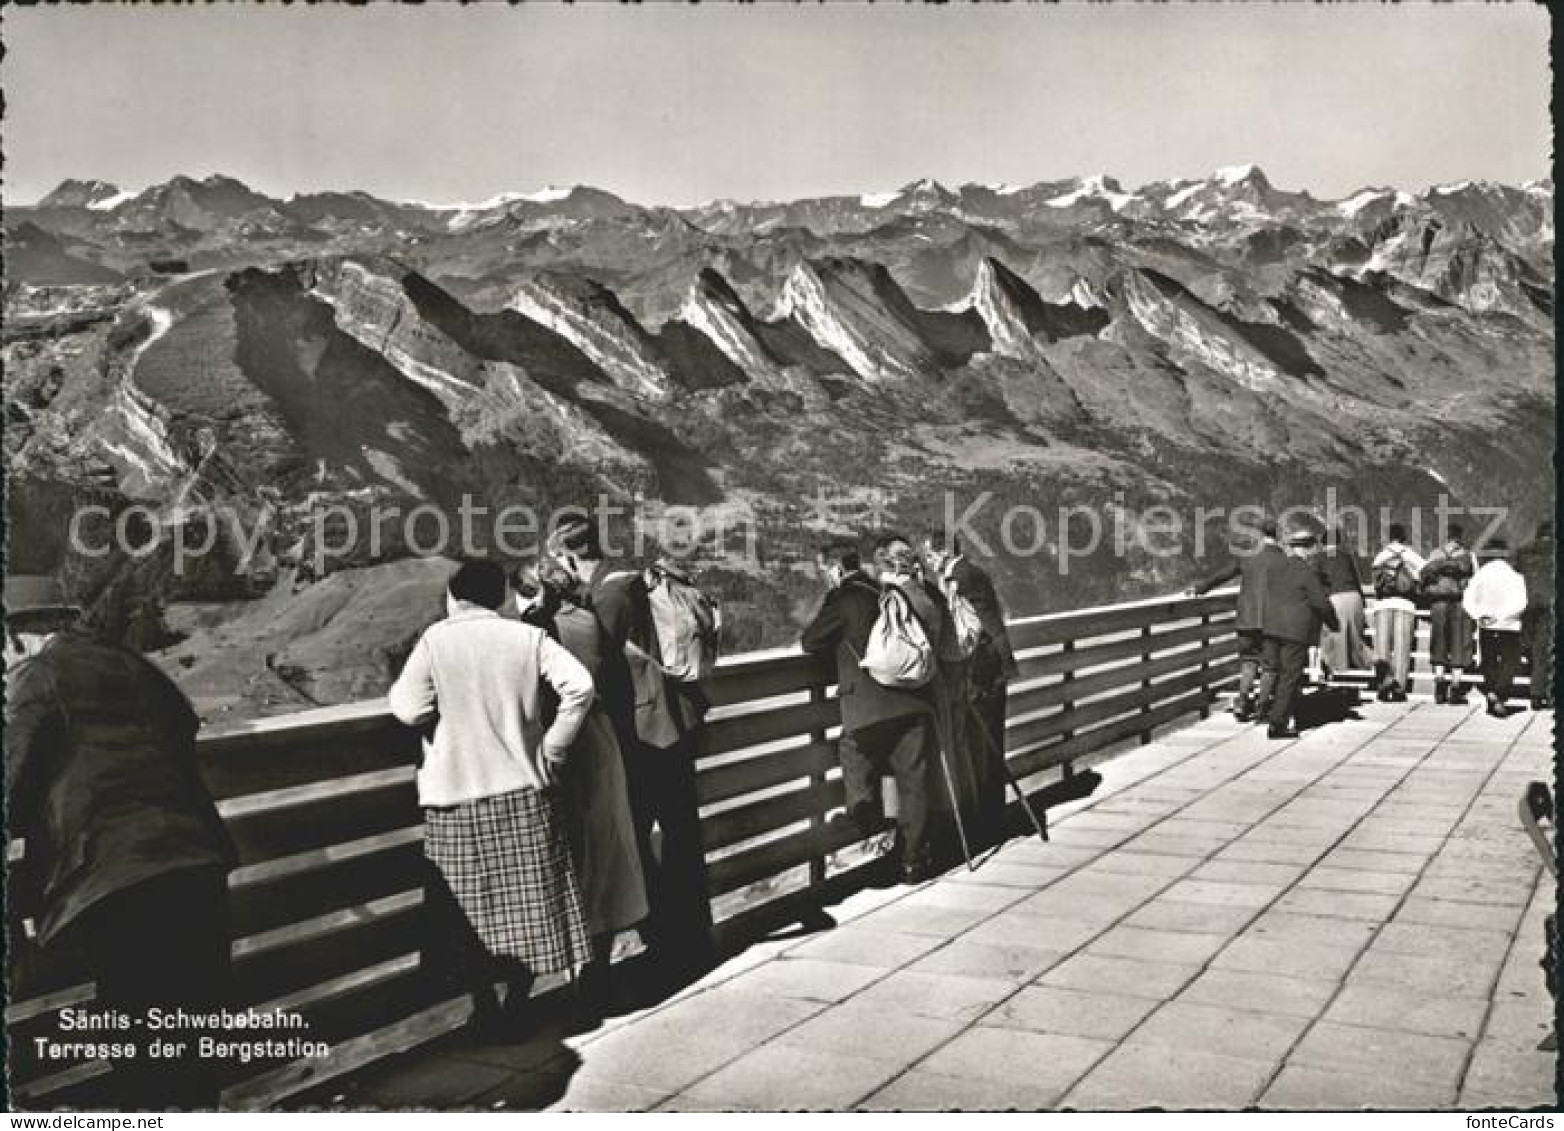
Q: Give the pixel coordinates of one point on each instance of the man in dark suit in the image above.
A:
(657, 723)
(1252, 566)
(1295, 606)
(990, 669)
(882, 728)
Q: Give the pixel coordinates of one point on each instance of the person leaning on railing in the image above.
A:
(1450, 631)
(125, 854)
(1252, 567)
(503, 898)
(1496, 600)
(1395, 571)
(883, 728)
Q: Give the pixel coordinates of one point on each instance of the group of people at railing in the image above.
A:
(560, 708)
(561, 723)
(939, 734)
(1302, 589)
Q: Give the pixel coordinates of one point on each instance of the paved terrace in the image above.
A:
(1350, 919)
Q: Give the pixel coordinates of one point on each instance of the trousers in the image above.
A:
(902, 746)
(1501, 661)
(1287, 658)
(163, 942)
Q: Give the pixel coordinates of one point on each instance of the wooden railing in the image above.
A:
(327, 903)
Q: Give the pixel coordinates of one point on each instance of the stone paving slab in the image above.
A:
(1347, 920)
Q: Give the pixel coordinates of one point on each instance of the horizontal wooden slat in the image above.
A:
(1032, 731)
(1035, 632)
(298, 749)
(1080, 659)
(341, 813)
(763, 771)
(733, 872)
(745, 822)
(747, 681)
(1068, 691)
(262, 902)
(727, 735)
(303, 957)
(1057, 753)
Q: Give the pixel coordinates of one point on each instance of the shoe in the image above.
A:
(1398, 696)
(1244, 714)
(862, 819)
(917, 872)
(1496, 707)
(1384, 693)
(1281, 732)
(1457, 697)
(1441, 691)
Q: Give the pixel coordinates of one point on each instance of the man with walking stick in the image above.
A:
(883, 728)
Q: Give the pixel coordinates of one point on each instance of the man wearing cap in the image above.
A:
(1495, 599)
(1251, 566)
(1295, 607)
(125, 854)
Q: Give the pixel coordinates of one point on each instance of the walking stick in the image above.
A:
(950, 788)
(1004, 768)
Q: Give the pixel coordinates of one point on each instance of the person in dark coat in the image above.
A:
(990, 668)
(658, 724)
(1344, 649)
(125, 854)
(1451, 634)
(1252, 566)
(883, 728)
(1295, 606)
(1535, 562)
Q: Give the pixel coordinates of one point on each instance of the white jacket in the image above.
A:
(1498, 591)
(479, 677)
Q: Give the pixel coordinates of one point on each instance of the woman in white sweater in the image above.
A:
(1495, 599)
(495, 831)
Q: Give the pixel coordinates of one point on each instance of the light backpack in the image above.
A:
(969, 628)
(686, 623)
(898, 654)
(1394, 578)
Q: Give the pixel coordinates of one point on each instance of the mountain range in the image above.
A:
(1209, 342)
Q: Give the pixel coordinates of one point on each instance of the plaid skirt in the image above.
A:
(507, 861)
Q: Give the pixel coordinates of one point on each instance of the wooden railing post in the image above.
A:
(1145, 658)
(817, 786)
(1205, 668)
(1067, 771)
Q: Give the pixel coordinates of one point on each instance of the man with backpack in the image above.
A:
(884, 726)
(1395, 570)
(657, 720)
(1450, 636)
(1535, 561)
(983, 640)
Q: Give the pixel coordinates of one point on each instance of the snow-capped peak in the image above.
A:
(549, 194)
(1099, 186)
(109, 203)
(877, 199)
(1236, 174)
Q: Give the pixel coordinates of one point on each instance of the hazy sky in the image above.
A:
(678, 104)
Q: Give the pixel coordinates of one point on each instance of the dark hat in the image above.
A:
(1494, 548)
(1302, 536)
(34, 595)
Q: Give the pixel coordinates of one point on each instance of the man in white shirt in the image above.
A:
(1495, 599)
(1395, 571)
(503, 896)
